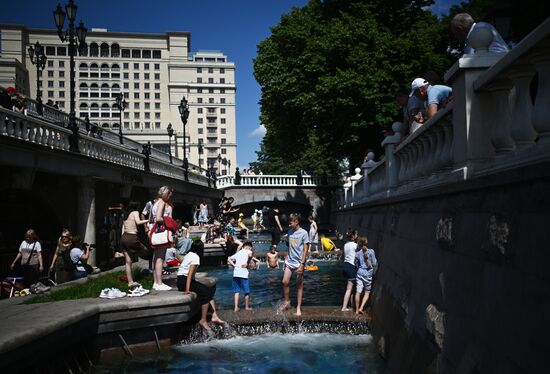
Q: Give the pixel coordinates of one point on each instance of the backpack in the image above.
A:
(68, 265)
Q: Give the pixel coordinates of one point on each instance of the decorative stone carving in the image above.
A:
(444, 233)
(435, 324)
(499, 233)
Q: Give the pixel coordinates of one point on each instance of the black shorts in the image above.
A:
(204, 293)
(350, 271)
(275, 236)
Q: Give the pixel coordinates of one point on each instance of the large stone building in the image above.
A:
(154, 71)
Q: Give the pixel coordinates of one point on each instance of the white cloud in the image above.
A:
(258, 131)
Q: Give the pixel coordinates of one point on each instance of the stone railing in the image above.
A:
(275, 181)
(491, 125)
(36, 130)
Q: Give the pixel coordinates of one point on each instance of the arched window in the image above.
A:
(115, 50)
(115, 87)
(94, 86)
(104, 50)
(106, 125)
(116, 125)
(94, 50)
(115, 67)
(83, 86)
(83, 66)
(83, 106)
(105, 106)
(114, 106)
(93, 66)
(104, 66)
(104, 86)
(94, 106)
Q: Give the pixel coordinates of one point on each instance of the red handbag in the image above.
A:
(170, 223)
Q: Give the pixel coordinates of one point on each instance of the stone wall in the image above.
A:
(462, 284)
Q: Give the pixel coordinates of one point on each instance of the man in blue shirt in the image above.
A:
(462, 26)
(436, 97)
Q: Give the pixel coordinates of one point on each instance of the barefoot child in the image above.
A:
(187, 283)
(298, 246)
(366, 262)
(273, 258)
(240, 261)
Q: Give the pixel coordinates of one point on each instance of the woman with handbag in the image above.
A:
(129, 241)
(162, 208)
(30, 254)
(57, 267)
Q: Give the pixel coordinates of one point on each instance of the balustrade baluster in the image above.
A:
(439, 139)
(17, 128)
(3, 124)
(541, 109)
(522, 130)
(500, 127)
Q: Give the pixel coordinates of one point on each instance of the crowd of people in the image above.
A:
(12, 100)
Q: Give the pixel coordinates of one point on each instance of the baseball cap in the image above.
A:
(417, 83)
(10, 90)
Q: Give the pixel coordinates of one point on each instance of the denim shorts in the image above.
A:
(350, 272)
(240, 285)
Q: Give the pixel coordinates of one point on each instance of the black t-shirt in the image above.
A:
(271, 222)
(5, 100)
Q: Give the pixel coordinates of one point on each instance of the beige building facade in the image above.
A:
(153, 71)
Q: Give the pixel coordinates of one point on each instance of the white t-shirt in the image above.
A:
(191, 258)
(26, 248)
(170, 254)
(75, 254)
(349, 252)
(241, 258)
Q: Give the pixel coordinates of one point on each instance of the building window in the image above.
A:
(156, 53)
(200, 130)
(199, 120)
(222, 80)
(147, 105)
(50, 63)
(136, 75)
(224, 151)
(222, 70)
(136, 95)
(146, 76)
(199, 90)
(210, 70)
(157, 115)
(157, 105)
(126, 76)
(157, 96)
(146, 54)
(126, 125)
(211, 90)
(61, 51)
(126, 95)
(146, 86)
(224, 141)
(147, 125)
(147, 115)
(222, 110)
(126, 115)
(136, 125)
(157, 66)
(136, 115)
(50, 73)
(222, 101)
(136, 53)
(136, 66)
(222, 90)
(136, 86)
(210, 80)
(222, 121)
(136, 105)
(50, 83)
(126, 65)
(199, 70)
(61, 84)
(61, 64)
(157, 125)
(50, 93)
(223, 131)
(157, 86)
(147, 95)
(61, 93)
(199, 100)
(145, 66)
(211, 100)
(199, 80)
(157, 76)
(126, 85)
(199, 110)
(126, 54)
(50, 51)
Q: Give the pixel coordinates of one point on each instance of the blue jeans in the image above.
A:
(77, 274)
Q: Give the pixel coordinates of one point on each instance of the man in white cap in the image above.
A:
(436, 97)
(462, 26)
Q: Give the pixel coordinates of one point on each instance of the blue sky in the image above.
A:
(234, 27)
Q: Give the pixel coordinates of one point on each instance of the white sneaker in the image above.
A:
(137, 292)
(105, 293)
(161, 287)
(116, 293)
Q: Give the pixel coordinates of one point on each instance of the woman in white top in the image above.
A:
(350, 271)
(187, 283)
(162, 208)
(30, 254)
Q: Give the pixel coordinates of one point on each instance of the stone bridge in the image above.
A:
(305, 195)
(47, 186)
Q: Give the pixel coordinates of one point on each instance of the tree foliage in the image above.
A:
(328, 75)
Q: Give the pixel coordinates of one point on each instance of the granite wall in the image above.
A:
(463, 284)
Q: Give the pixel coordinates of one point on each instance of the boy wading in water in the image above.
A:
(298, 246)
(241, 261)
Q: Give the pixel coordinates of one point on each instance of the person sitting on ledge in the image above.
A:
(186, 282)
(462, 26)
(436, 97)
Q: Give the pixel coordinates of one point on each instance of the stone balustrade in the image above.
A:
(37, 130)
(275, 181)
(496, 121)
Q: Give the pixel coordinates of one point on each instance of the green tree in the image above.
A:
(328, 74)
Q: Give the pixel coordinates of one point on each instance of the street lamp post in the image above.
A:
(121, 105)
(77, 41)
(224, 163)
(38, 58)
(184, 114)
(146, 152)
(200, 156)
(229, 167)
(219, 163)
(170, 131)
